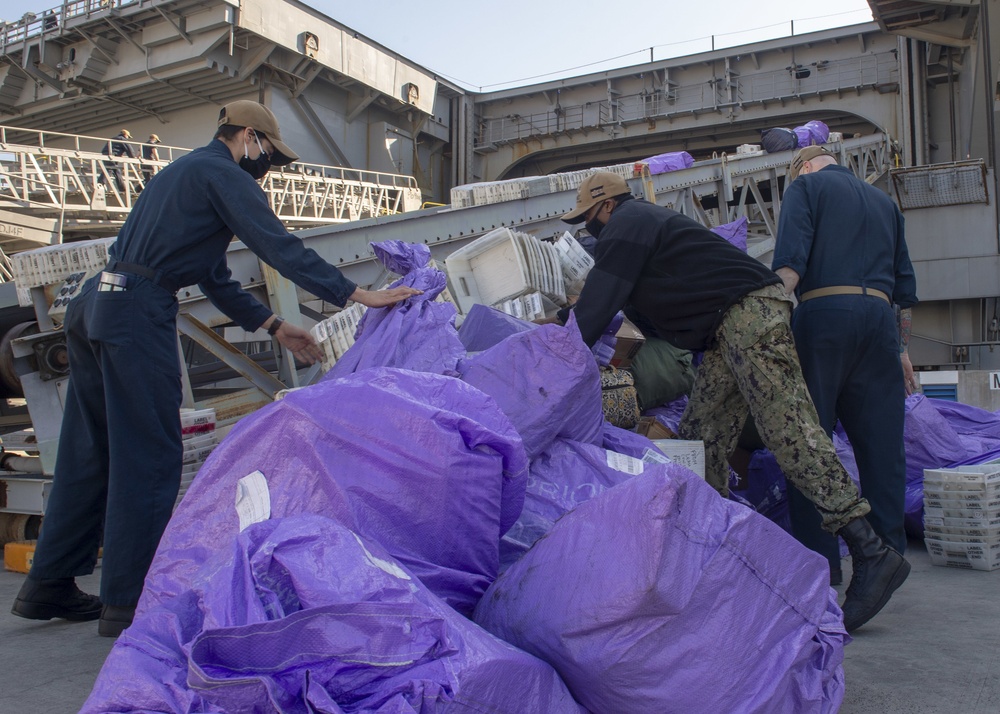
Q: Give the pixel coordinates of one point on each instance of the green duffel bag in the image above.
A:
(662, 373)
(618, 397)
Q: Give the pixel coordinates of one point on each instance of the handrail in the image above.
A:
(54, 19)
(104, 187)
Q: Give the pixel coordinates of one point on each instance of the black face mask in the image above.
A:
(258, 167)
(594, 226)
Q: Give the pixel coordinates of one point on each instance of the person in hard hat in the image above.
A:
(841, 249)
(701, 293)
(118, 465)
(149, 153)
(116, 147)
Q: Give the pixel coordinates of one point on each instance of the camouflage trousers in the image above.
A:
(753, 368)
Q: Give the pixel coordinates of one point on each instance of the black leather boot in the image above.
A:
(878, 571)
(115, 619)
(46, 599)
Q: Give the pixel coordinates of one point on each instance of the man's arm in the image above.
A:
(789, 278)
(904, 322)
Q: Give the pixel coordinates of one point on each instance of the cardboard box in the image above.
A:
(17, 556)
(629, 340)
(652, 429)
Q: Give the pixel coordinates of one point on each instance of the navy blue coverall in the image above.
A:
(836, 230)
(120, 450)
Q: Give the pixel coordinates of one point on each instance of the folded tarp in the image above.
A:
(301, 614)
(659, 596)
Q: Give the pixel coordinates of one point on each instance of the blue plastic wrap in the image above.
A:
(659, 596)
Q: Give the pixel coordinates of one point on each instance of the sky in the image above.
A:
(491, 46)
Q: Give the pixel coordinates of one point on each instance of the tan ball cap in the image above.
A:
(802, 156)
(256, 116)
(597, 187)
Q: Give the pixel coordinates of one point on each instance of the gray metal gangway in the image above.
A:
(66, 176)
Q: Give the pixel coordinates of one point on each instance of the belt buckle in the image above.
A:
(112, 282)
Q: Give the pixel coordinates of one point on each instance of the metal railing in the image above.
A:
(50, 171)
(55, 19)
(867, 71)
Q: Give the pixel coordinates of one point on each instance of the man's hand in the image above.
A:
(547, 321)
(384, 298)
(909, 378)
(299, 341)
(789, 279)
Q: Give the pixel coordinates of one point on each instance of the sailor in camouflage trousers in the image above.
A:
(754, 367)
(697, 291)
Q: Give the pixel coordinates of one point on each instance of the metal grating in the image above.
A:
(953, 184)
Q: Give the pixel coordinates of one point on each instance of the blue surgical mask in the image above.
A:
(258, 167)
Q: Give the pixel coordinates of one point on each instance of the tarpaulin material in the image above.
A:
(939, 433)
(546, 381)
(300, 614)
(659, 596)
(672, 161)
(425, 464)
(735, 232)
(486, 326)
(812, 132)
(562, 477)
(417, 334)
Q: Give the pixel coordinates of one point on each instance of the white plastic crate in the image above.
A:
(574, 261)
(959, 509)
(502, 265)
(976, 500)
(976, 556)
(983, 521)
(961, 535)
(488, 270)
(979, 478)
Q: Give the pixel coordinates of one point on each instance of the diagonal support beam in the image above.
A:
(177, 26)
(228, 355)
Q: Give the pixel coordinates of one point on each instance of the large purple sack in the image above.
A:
(546, 381)
(562, 477)
(659, 596)
(417, 334)
(424, 464)
(300, 614)
(671, 161)
(485, 326)
(812, 132)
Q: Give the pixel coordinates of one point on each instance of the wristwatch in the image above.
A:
(273, 329)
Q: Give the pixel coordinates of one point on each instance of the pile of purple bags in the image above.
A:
(448, 529)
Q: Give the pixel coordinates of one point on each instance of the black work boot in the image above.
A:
(114, 620)
(878, 571)
(46, 599)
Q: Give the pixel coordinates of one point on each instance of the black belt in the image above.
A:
(156, 277)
